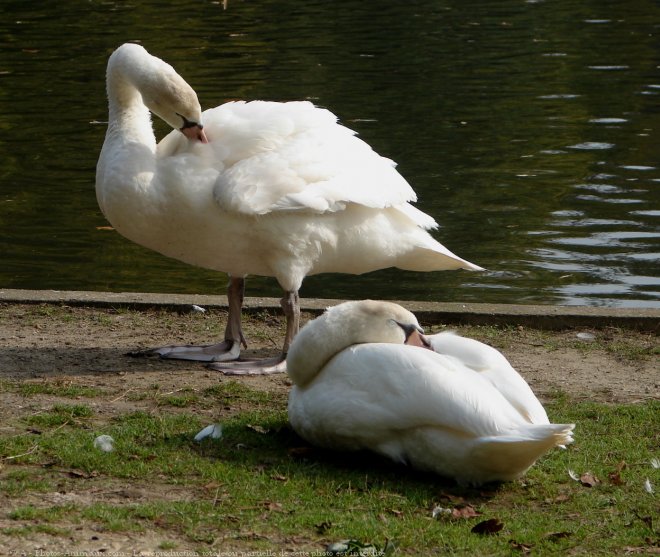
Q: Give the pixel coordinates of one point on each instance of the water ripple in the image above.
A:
(558, 96)
(609, 68)
(618, 200)
(638, 167)
(607, 121)
(591, 146)
(648, 213)
(600, 188)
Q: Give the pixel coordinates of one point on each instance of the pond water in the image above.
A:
(529, 129)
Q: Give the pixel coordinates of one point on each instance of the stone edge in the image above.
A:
(534, 316)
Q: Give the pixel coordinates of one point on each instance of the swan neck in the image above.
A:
(345, 325)
(127, 164)
(314, 346)
(128, 116)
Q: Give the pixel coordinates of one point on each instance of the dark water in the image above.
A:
(530, 130)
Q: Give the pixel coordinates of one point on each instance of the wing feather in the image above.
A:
(296, 157)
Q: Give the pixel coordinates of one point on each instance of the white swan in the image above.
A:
(264, 188)
(459, 410)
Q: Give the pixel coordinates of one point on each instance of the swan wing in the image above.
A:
(368, 391)
(296, 157)
(493, 366)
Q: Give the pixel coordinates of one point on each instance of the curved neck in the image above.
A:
(127, 164)
(350, 323)
(128, 116)
(314, 346)
(324, 337)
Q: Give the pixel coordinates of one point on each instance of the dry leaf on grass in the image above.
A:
(488, 527)
(554, 536)
(522, 547)
(464, 511)
(589, 480)
(615, 478)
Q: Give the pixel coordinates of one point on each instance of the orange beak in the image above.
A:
(418, 339)
(195, 133)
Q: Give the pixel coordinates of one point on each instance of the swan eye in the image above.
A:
(187, 123)
(409, 329)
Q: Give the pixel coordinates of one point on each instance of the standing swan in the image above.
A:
(263, 188)
(458, 409)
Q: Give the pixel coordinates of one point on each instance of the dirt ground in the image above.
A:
(89, 346)
(86, 347)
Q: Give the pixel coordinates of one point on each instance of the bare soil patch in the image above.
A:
(89, 347)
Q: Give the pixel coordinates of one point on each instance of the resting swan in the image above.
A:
(458, 409)
(264, 188)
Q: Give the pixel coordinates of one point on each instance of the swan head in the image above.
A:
(350, 323)
(164, 92)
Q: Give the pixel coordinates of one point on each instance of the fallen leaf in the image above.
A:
(279, 478)
(464, 511)
(455, 499)
(561, 498)
(323, 527)
(488, 527)
(615, 478)
(554, 536)
(74, 473)
(257, 428)
(589, 480)
(522, 547)
(272, 505)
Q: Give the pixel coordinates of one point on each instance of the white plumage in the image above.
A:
(458, 409)
(264, 188)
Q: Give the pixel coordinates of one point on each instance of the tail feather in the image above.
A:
(434, 258)
(510, 455)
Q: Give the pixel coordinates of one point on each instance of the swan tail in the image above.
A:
(437, 258)
(511, 455)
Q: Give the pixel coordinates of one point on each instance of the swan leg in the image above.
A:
(228, 349)
(291, 306)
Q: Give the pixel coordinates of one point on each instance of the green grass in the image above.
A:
(16, 482)
(259, 484)
(66, 391)
(49, 514)
(61, 414)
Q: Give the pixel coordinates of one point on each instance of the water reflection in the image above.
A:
(530, 131)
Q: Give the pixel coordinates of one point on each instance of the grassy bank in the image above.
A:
(65, 380)
(259, 487)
